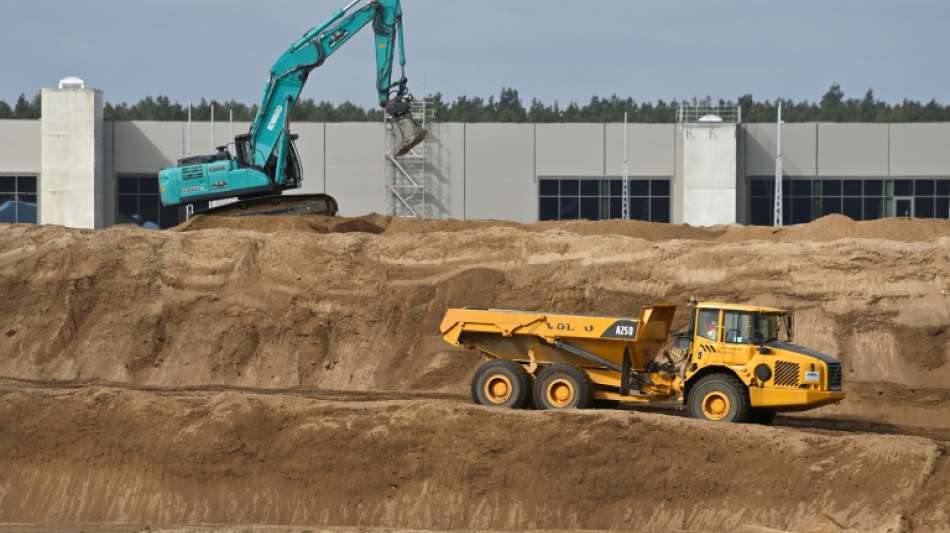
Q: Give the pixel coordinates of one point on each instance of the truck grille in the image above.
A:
(834, 376)
(192, 173)
(786, 374)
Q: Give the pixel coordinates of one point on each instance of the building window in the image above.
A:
(18, 203)
(860, 199)
(602, 199)
(139, 203)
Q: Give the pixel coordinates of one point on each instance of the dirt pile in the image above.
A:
(182, 377)
(829, 228)
(360, 310)
(233, 458)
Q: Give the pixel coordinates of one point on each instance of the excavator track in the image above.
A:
(315, 204)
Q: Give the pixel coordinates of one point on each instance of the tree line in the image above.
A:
(509, 106)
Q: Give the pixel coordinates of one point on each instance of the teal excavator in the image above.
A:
(265, 162)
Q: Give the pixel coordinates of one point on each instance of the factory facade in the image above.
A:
(73, 168)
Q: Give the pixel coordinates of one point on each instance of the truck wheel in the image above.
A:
(719, 398)
(766, 417)
(562, 387)
(501, 383)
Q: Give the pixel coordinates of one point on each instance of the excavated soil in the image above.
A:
(193, 378)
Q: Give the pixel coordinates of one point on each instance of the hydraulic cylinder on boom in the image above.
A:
(265, 161)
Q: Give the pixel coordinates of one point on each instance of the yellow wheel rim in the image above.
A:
(716, 406)
(497, 388)
(560, 393)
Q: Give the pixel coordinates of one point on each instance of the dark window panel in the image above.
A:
(590, 187)
(26, 184)
(801, 188)
(639, 188)
(149, 215)
(873, 188)
(942, 208)
(762, 187)
(761, 211)
(831, 187)
(786, 210)
(148, 185)
(128, 185)
(590, 208)
(27, 212)
(851, 188)
(852, 208)
(548, 188)
(548, 209)
(830, 206)
(7, 184)
(640, 208)
(873, 208)
(7, 209)
(128, 205)
(660, 210)
(660, 187)
(28, 198)
(570, 187)
(943, 187)
(903, 187)
(149, 200)
(787, 188)
(569, 209)
(801, 210)
(904, 207)
(924, 207)
(616, 187)
(616, 207)
(171, 216)
(924, 187)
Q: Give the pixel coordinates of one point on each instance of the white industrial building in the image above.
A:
(73, 168)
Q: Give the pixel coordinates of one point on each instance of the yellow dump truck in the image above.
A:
(735, 363)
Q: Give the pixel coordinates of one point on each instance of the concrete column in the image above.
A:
(71, 184)
(709, 173)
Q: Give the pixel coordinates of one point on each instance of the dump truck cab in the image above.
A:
(754, 345)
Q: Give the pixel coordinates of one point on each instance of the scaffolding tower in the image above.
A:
(408, 179)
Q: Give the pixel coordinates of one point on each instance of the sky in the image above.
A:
(554, 50)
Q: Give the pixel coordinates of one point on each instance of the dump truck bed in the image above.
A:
(539, 337)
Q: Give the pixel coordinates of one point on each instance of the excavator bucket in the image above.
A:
(408, 133)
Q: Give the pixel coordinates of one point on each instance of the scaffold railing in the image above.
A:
(408, 179)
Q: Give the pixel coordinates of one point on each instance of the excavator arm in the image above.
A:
(266, 161)
(289, 74)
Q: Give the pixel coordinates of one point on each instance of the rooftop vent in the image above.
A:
(72, 83)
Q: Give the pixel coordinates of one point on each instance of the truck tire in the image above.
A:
(562, 387)
(766, 417)
(719, 398)
(501, 383)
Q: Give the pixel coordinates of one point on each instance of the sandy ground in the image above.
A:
(191, 379)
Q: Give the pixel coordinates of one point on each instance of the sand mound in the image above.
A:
(360, 311)
(194, 356)
(227, 458)
(828, 228)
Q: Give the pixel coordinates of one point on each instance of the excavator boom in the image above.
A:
(266, 161)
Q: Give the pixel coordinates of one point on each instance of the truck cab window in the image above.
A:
(709, 324)
(740, 327)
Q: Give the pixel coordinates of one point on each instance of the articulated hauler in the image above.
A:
(736, 363)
